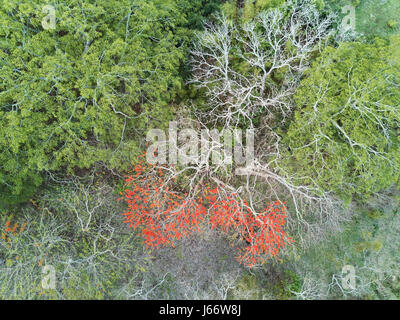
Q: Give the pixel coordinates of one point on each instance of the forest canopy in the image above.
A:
(305, 92)
(82, 93)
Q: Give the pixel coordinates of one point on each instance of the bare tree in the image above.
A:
(273, 43)
(271, 54)
(274, 51)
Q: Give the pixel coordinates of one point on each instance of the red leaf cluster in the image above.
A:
(164, 215)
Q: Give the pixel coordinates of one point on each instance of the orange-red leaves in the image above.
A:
(164, 215)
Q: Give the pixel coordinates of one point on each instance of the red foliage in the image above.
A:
(164, 215)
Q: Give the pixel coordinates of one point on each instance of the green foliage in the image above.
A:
(287, 284)
(374, 214)
(355, 3)
(345, 132)
(85, 91)
(319, 4)
(247, 286)
(250, 8)
(230, 10)
(198, 11)
(392, 24)
(291, 283)
(368, 245)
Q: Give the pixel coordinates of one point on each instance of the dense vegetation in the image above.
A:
(321, 192)
(347, 119)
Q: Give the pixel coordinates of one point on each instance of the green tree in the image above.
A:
(345, 132)
(84, 91)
